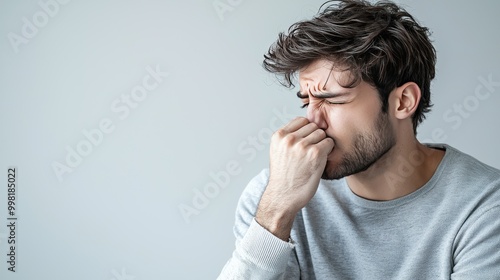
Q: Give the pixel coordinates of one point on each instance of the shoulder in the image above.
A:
(256, 186)
(467, 185)
(476, 184)
(465, 169)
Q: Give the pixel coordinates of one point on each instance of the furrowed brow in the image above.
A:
(322, 95)
(329, 94)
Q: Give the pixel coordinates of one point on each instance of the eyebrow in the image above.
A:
(322, 95)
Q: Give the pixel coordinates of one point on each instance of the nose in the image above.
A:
(317, 116)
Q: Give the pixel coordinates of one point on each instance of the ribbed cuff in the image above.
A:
(265, 250)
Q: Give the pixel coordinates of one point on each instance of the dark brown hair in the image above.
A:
(381, 44)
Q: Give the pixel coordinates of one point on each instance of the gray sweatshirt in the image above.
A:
(447, 229)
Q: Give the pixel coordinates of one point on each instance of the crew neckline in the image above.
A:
(366, 203)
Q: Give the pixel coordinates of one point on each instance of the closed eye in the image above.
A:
(305, 105)
(334, 103)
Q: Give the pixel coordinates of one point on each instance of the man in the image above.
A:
(350, 192)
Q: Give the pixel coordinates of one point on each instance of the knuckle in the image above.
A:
(289, 139)
(314, 152)
(278, 134)
(302, 145)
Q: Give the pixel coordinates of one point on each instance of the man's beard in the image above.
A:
(368, 149)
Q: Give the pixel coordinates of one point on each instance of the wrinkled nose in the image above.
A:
(316, 115)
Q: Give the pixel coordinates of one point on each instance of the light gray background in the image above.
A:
(116, 216)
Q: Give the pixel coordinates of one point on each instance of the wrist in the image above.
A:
(276, 220)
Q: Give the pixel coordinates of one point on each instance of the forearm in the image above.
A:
(273, 215)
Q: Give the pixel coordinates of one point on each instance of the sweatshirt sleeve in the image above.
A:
(258, 254)
(477, 250)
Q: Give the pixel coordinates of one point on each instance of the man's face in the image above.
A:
(352, 117)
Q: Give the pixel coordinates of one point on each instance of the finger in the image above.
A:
(315, 136)
(306, 130)
(326, 145)
(295, 124)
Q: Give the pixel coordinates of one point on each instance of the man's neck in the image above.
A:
(401, 171)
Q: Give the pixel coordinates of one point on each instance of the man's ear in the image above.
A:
(406, 99)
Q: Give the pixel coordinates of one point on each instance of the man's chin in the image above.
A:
(335, 171)
(331, 177)
(331, 172)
